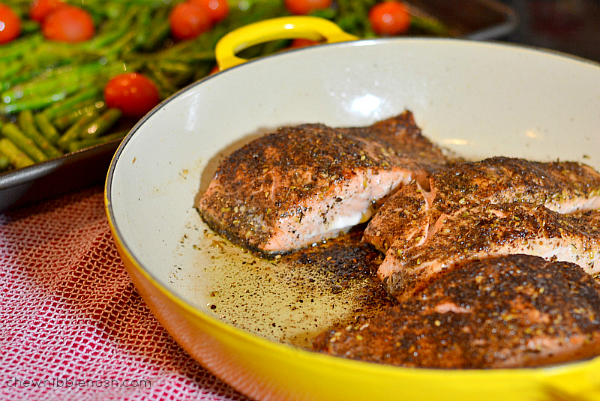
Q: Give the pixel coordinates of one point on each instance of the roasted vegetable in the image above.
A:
(52, 85)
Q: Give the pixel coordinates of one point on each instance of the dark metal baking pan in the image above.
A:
(471, 19)
(56, 176)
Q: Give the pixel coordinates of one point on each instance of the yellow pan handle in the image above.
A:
(304, 27)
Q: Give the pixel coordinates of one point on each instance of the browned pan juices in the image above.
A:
(295, 297)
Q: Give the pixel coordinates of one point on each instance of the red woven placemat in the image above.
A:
(72, 325)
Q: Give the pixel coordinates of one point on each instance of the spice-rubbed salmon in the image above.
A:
(506, 312)
(492, 230)
(305, 183)
(411, 214)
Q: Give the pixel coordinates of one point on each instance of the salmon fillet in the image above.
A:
(302, 184)
(505, 312)
(491, 230)
(411, 214)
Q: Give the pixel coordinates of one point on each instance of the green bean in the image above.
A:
(4, 162)
(74, 132)
(70, 76)
(46, 127)
(17, 48)
(160, 29)
(117, 47)
(149, 3)
(10, 69)
(33, 103)
(190, 57)
(143, 26)
(202, 71)
(28, 127)
(86, 143)
(101, 124)
(175, 67)
(27, 145)
(112, 11)
(16, 156)
(165, 86)
(66, 105)
(29, 26)
(65, 121)
(51, 54)
(27, 73)
(429, 25)
(113, 31)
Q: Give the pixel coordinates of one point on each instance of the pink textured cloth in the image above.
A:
(72, 325)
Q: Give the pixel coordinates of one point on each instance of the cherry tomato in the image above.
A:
(303, 7)
(69, 24)
(188, 20)
(10, 24)
(216, 9)
(132, 93)
(389, 18)
(40, 9)
(299, 42)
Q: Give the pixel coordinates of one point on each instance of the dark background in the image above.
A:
(570, 26)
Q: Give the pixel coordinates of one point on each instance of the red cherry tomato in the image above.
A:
(188, 20)
(10, 24)
(69, 24)
(40, 9)
(389, 18)
(303, 7)
(216, 9)
(299, 42)
(132, 93)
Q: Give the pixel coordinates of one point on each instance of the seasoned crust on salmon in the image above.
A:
(491, 230)
(402, 135)
(412, 212)
(305, 183)
(505, 312)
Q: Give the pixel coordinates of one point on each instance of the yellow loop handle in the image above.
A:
(305, 27)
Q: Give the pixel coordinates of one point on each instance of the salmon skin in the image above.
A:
(492, 230)
(303, 184)
(411, 214)
(500, 312)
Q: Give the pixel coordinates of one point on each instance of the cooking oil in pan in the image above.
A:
(291, 298)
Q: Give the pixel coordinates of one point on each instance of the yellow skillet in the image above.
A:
(156, 171)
